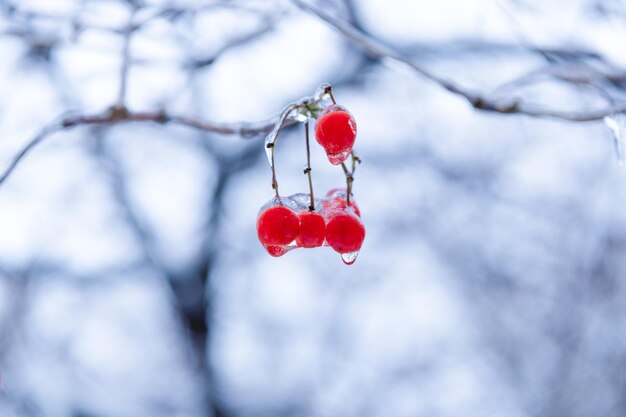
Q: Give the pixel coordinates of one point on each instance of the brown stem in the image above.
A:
(355, 159)
(307, 170)
(350, 174)
(332, 97)
(349, 180)
(271, 146)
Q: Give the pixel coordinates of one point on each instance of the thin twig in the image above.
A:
(330, 94)
(45, 132)
(241, 40)
(125, 66)
(307, 170)
(271, 145)
(349, 180)
(273, 166)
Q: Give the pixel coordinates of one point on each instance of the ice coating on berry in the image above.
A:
(349, 258)
(336, 201)
(302, 201)
(280, 201)
(312, 230)
(286, 223)
(277, 225)
(338, 158)
(322, 92)
(335, 130)
(344, 232)
(276, 250)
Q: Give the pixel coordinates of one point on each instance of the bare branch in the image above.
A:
(120, 114)
(116, 114)
(241, 40)
(44, 133)
(477, 100)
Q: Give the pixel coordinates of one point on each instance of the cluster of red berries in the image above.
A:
(301, 221)
(286, 223)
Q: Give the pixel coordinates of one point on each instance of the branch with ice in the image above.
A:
(478, 100)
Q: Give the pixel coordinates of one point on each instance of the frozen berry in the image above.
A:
(344, 232)
(335, 130)
(277, 226)
(312, 230)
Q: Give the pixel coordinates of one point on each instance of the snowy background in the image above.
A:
(491, 281)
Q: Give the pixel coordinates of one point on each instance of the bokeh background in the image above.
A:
(491, 281)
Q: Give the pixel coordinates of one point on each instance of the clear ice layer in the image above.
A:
(349, 258)
(338, 158)
(302, 201)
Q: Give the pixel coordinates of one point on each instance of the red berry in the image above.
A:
(312, 230)
(277, 226)
(344, 232)
(335, 130)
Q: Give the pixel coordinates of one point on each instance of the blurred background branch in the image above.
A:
(481, 101)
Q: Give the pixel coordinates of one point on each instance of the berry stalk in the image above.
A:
(271, 147)
(350, 174)
(329, 90)
(307, 170)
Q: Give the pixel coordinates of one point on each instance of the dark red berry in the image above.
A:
(335, 130)
(277, 226)
(312, 230)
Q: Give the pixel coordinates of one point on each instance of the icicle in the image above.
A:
(349, 258)
(617, 124)
(270, 140)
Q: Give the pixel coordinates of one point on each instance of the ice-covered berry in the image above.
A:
(335, 130)
(277, 226)
(344, 231)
